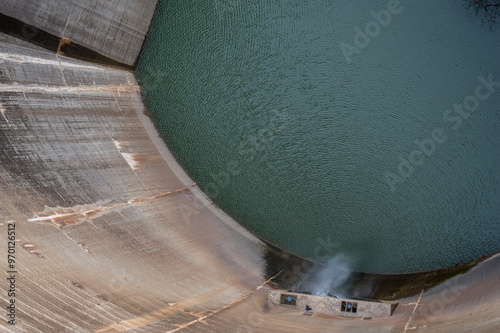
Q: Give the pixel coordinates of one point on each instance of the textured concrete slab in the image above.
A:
(107, 234)
(115, 29)
(12, 40)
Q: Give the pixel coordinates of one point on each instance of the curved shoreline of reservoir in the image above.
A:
(389, 159)
(110, 235)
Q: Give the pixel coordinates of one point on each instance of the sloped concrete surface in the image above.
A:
(113, 236)
(106, 231)
(113, 28)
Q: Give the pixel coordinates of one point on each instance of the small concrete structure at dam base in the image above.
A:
(109, 234)
(331, 306)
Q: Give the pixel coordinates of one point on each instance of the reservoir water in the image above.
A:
(365, 129)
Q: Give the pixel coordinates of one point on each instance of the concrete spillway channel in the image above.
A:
(110, 234)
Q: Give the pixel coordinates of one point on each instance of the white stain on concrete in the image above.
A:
(118, 144)
(24, 59)
(109, 89)
(3, 110)
(50, 217)
(128, 157)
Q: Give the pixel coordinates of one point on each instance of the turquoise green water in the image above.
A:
(305, 133)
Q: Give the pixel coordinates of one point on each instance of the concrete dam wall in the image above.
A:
(108, 232)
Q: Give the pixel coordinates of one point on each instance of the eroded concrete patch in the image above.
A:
(62, 217)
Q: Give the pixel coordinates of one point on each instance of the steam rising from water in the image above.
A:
(329, 278)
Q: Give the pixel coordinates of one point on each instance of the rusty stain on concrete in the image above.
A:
(130, 159)
(69, 89)
(114, 29)
(119, 144)
(63, 217)
(82, 245)
(26, 59)
(31, 249)
(63, 41)
(138, 160)
(134, 160)
(3, 110)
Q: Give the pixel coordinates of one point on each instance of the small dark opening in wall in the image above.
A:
(349, 307)
(29, 33)
(288, 299)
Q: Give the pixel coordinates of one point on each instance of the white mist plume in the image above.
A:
(335, 273)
